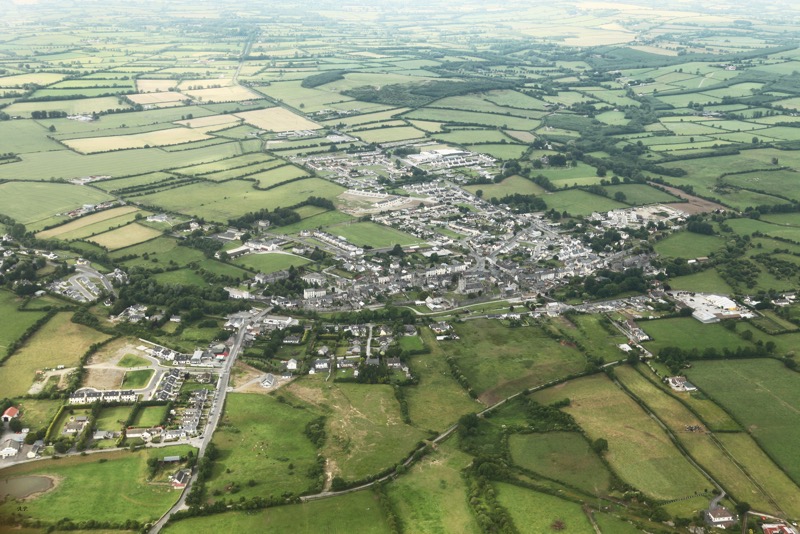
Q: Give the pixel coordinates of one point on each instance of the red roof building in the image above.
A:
(10, 414)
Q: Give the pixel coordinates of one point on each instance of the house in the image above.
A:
(313, 293)
(268, 381)
(720, 517)
(321, 365)
(679, 383)
(10, 413)
(291, 340)
(36, 449)
(181, 479)
(291, 365)
(394, 363)
(10, 448)
(409, 330)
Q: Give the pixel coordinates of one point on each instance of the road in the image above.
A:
(214, 416)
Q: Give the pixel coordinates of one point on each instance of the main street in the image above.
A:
(214, 415)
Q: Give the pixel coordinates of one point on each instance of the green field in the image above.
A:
(269, 263)
(562, 456)
(638, 449)
(137, 379)
(688, 245)
(372, 235)
(598, 337)
(129, 360)
(37, 413)
(150, 416)
(90, 481)
(438, 400)
(577, 202)
(366, 433)
(499, 361)
(761, 394)
(356, 512)
(113, 418)
(537, 512)
(688, 333)
(707, 281)
(262, 439)
(59, 342)
(432, 497)
(14, 323)
(37, 204)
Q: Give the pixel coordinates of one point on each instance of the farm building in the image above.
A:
(10, 448)
(720, 517)
(10, 413)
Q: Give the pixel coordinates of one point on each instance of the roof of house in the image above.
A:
(11, 411)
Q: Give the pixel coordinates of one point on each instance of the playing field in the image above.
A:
(277, 120)
(638, 449)
(372, 235)
(59, 342)
(270, 263)
(126, 236)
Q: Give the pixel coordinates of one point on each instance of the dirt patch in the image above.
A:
(693, 205)
(100, 378)
(311, 395)
(114, 352)
(243, 373)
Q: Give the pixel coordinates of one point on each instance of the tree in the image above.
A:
(15, 425)
(619, 196)
(600, 445)
(52, 128)
(479, 193)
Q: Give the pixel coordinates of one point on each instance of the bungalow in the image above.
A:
(268, 381)
(321, 365)
(720, 517)
(10, 448)
(291, 340)
(10, 413)
(291, 365)
(679, 383)
(394, 363)
(181, 479)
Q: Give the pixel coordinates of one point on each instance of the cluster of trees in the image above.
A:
(48, 114)
(277, 217)
(520, 203)
(676, 358)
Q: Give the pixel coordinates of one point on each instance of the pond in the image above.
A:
(24, 486)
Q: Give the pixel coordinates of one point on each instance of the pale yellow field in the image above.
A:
(277, 120)
(234, 93)
(86, 221)
(525, 137)
(202, 84)
(156, 98)
(125, 236)
(40, 78)
(172, 136)
(150, 86)
(210, 121)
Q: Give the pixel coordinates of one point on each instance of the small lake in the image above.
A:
(21, 487)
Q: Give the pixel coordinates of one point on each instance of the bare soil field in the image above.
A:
(694, 204)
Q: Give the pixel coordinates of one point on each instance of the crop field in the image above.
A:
(90, 480)
(605, 411)
(173, 136)
(270, 178)
(270, 449)
(126, 236)
(563, 456)
(499, 361)
(388, 135)
(75, 229)
(81, 105)
(14, 323)
(59, 342)
(356, 512)
(234, 93)
(33, 203)
(762, 395)
(687, 333)
(277, 120)
(432, 497)
(270, 262)
(688, 245)
(537, 512)
(365, 430)
(372, 234)
(163, 249)
(472, 118)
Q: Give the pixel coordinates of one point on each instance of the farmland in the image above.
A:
(492, 198)
(59, 342)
